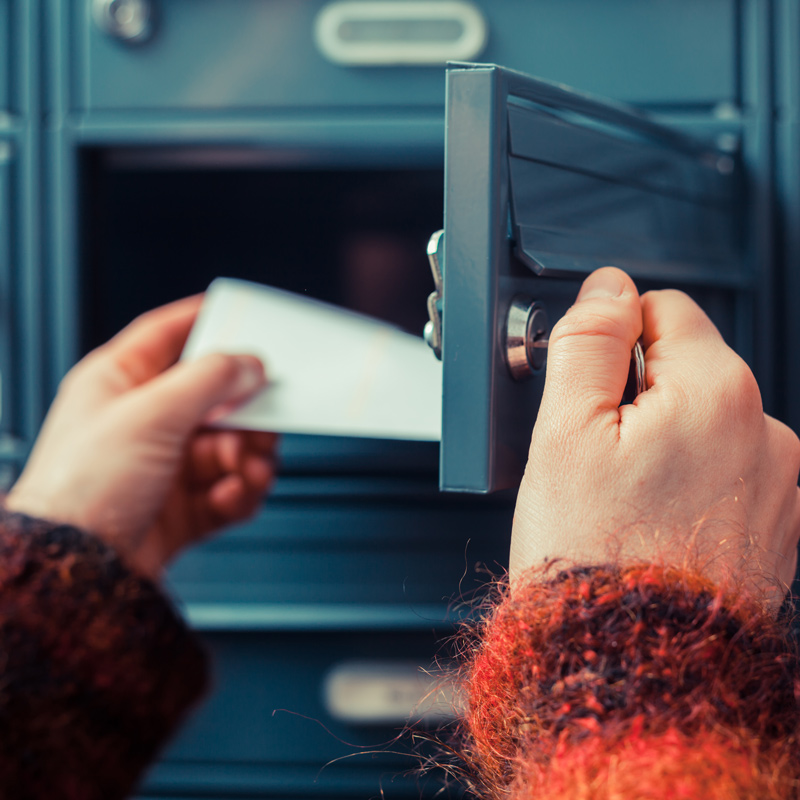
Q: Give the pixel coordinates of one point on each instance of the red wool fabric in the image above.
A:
(636, 682)
(96, 667)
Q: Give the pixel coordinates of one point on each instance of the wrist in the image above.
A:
(141, 554)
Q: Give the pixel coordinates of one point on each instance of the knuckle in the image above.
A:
(741, 388)
(141, 321)
(667, 294)
(587, 323)
(82, 372)
(789, 443)
(69, 382)
(223, 365)
(694, 322)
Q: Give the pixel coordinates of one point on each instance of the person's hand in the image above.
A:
(692, 474)
(123, 453)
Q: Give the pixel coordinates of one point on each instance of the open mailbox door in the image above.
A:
(542, 185)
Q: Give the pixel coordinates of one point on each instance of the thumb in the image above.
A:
(180, 399)
(590, 348)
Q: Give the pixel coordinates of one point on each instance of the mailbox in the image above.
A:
(154, 145)
(543, 184)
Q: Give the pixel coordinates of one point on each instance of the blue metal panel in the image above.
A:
(317, 139)
(759, 328)
(667, 212)
(350, 777)
(5, 55)
(20, 286)
(332, 570)
(259, 673)
(655, 52)
(28, 284)
(7, 51)
(62, 287)
(7, 373)
(787, 31)
(203, 56)
(389, 551)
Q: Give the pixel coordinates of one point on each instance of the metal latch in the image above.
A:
(433, 327)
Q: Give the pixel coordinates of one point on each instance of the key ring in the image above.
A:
(637, 379)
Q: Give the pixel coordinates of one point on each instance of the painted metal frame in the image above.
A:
(21, 233)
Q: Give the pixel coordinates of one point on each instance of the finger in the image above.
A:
(214, 453)
(211, 455)
(178, 400)
(230, 449)
(154, 340)
(680, 340)
(590, 347)
(258, 472)
(261, 441)
(230, 499)
(673, 317)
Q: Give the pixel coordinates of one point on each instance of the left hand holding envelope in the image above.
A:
(123, 452)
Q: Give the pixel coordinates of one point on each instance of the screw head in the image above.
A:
(127, 20)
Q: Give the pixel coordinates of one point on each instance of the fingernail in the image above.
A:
(604, 283)
(251, 374)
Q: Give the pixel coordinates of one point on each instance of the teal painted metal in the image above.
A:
(202, 56)
(259, 673)
(7, 356)
(347, 778)
(281, 617)
(6, 340)
(6, 69)
(324, 138)
(759, 323)
(20, 231)
(401, 549)
(787, 172)
(28, 289)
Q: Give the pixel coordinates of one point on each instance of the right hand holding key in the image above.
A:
(692, 474)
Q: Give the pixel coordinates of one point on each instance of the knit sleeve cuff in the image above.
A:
(603, 666)
(96, 667)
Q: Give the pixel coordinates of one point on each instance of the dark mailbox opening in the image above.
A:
(160, 224)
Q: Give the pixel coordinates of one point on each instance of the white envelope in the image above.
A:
(330, 371)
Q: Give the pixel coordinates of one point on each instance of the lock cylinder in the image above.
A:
(527, 332)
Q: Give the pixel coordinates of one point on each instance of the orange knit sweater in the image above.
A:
(640, 682)
(594, 683)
